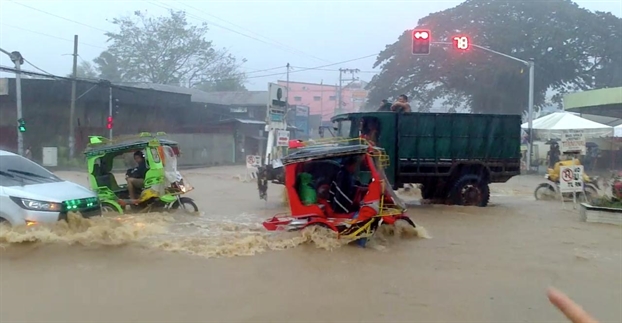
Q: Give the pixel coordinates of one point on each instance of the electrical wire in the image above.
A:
(251, 77)
(252, 32)
(37, 68)
(334, 70)
(57, 16)
(161, 6)
(227, 28)
(51, 36)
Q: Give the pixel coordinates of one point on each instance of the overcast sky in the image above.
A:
(269, 34)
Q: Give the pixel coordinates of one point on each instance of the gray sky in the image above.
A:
(303, 33)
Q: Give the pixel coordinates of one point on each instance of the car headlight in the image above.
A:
(29, 204)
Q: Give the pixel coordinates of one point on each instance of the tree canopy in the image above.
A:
(167, 50)
(86, 70)
(573, 49)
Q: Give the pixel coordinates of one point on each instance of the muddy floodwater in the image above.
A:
(488, 264)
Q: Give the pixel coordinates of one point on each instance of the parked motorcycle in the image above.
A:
(550, 189)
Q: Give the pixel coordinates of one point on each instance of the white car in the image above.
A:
(31, 194)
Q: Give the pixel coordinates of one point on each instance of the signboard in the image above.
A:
(277, 106)
(50, 156)
(571, 179)
(4, 86)
(253, 161)
(302, 122)
(573, 141)
(282, 138)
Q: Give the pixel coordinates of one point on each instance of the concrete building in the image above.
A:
(322, 98)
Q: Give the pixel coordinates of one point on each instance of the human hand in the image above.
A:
(571, 310)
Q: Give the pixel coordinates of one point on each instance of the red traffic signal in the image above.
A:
(461, 42)
(421, 41)
(109, 125)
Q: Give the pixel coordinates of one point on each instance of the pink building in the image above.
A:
(322, 98)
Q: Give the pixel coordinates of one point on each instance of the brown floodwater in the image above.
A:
(465, 264)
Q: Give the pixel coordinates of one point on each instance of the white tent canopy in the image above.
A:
(617, 131)
(552, 125)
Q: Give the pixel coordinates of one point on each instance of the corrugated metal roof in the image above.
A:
(195, 95)
(222, 98)
(238, 97)
(245, 121)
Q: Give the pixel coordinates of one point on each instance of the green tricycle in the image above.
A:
(163, 184)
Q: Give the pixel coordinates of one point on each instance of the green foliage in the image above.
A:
(108, 66)
(86, 70)
(573, 49)
(608, 202)
(167, 50)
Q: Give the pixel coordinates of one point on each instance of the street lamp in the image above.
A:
(463, 41)
(18, 60)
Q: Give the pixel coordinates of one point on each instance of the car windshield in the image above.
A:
(17, 171)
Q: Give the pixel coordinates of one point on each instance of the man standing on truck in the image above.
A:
(385, 106)
(401, 105)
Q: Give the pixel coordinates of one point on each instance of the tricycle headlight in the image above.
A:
(37, 205)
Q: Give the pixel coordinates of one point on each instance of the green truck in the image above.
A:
(453, 156)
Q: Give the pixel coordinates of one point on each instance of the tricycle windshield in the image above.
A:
(388, 189)
(344, 127)
(170, 165)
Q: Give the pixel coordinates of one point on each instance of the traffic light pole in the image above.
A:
(17, 58)
(110, 110)
(531, 66)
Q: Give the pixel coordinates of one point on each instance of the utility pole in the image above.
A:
(287, 84)
(72, 109)
(18, 60)
(321, 102)
(287, 107)
(340, 88)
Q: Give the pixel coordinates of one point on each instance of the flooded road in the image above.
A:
(482, 264)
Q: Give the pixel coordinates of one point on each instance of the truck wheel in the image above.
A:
(470, 190)
(427, 192)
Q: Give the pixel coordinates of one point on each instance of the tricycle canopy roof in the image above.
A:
(100, 145)
(324, 151)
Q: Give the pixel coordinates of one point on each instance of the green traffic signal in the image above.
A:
(21, 125)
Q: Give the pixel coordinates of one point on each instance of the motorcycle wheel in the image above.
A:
(591, 194)
(187, 204)
(544, 192)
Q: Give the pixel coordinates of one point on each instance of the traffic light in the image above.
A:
(421, 41)
(21, 125)
(116, 107)
(461, 42)
(109, 125)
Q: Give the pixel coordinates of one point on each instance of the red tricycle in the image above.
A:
(312, 173)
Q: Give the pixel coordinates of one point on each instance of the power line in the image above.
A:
(226, 28)
(33, 65)
(333, 70)
(51, 36)
(252, 32)
(222, 79)
(57, 16)
(265, 70)
(315, 68)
